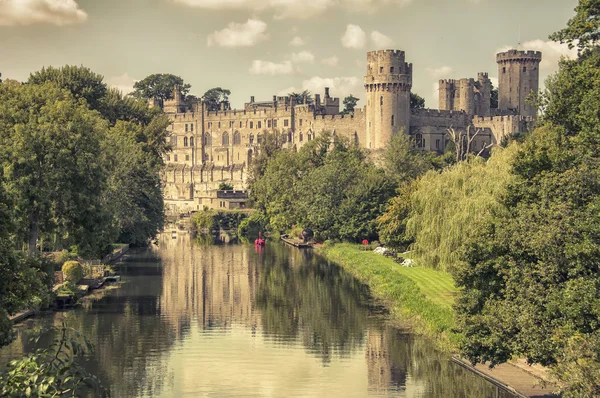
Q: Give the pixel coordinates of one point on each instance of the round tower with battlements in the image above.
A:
(387, 84)
(518, 76)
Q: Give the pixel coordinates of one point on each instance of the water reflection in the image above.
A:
(224, 321)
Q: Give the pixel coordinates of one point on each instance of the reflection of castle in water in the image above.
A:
(212, 287)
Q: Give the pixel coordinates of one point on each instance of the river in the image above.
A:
(225, 321)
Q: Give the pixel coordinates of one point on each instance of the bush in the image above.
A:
(72, 271)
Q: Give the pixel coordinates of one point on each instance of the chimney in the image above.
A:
(252, 99)
(317, 99)
(326, 92)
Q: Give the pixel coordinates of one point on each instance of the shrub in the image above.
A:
(72, 271)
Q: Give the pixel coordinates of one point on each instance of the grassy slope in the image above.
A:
(422, 294)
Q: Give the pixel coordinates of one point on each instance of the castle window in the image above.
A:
(258, 138)
(275, 123)
(186, 127)
(437, 144)
(251, 138)
(192, 127)
(392, 120)
(231, 123)
(258, 125)
(504, 69)
(225, 138)
(237, 139)
(240, 124)
(219, 125)
(524, 69)
(391, 69)
(269, 124)
(187, 157)
(168, 158)
(175, 157)
(356, 138)
(309, 136)
(381, 100)
(185, 140)
(381, 69)
(284, 138)
(300, 122)
(285, 123)
(209, 125)
(191, 141)
(419, 140)
(290, 136)
(251, 125)
(174, 141)
(207, 140)
(301, 137)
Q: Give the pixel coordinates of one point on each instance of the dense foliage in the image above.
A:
(72, 271)
(349, 105)
(326, 186)
(159, 85)
(213, 98)
(416, 101)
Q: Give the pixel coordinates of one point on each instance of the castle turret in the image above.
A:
(483, 95)
(387, 83)
(518, 76)
(467, 96)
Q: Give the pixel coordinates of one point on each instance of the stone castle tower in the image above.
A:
(387, 83)
(467, 95)
(518, 76)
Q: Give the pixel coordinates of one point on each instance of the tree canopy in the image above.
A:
(213, 98)
(416, 101)
(300, 98)
(159, 85)
(349, 104)
(583, 30)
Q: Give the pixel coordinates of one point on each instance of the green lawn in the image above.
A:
(421, 294)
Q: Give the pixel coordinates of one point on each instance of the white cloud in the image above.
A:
(354, 37)
(297, 41)
(331, 61)
(293, 9)
(28, 12)
(551, 53)
(339, 86)
(123, 83)
(381, 41)
(269, 68)
(245, 34)
(438, 73)
(303, 56)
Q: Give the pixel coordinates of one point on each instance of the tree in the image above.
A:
(225, 187)
(494, 98)
(463, 141)
(403, 162)
(349, 104)
(50, 154)
(213, 98)
(80, 81)
(160, 85)
(583, 30)
(302, 98)
(416, 101)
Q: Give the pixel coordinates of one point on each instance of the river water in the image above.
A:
(225, 321)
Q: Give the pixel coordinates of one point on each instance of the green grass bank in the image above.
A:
(421, 295)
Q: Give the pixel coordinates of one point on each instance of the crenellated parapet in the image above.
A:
(516, 55)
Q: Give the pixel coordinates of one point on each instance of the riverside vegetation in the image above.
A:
(519, 232)
(80, 171)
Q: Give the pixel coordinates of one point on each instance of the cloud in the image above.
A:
(286, 91)
(331, 61)
(297, 42)
(441, 72)
(339, 86)
(239, 34)
(437, 74)
(28, 12)
(551, 53)
(354, 37)
(293, 9)
(381, 41)
(303, 56)
(269, 68)
(123, 83)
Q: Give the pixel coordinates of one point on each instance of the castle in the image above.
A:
(212, 147)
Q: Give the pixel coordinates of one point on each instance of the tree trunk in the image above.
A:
(34, 232)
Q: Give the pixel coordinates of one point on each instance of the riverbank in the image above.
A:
(420, 295)
(425, 298)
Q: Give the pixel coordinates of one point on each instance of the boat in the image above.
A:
(300, 244)
(259, 241)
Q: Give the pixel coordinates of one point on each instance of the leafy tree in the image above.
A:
(301, 98)
(349, 104)
(213, 98)
(50, 154)
(494, 98)
(79, 80)
(159, 85)
(53, 371)
(403, 162)
(583, 30)
(416, 101)
(225, 187)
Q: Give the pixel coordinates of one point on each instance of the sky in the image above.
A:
(263, 48)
